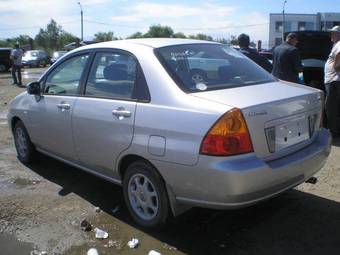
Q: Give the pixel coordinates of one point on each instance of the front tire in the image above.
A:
(23, 145)
(145, 195)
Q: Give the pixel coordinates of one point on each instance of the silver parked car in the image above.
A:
(134, 113)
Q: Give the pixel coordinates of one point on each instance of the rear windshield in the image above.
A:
(201, 67)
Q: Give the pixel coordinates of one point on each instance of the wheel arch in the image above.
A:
(127, 160)
(14, 120)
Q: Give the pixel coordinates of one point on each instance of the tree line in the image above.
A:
(54, 37)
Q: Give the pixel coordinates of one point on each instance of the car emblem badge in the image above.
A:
(253, 114)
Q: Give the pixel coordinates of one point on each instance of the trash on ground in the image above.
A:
(85, 226)
(97, 209)
(101, 234)
(116, 209)
(152, 252)
(35, 252)
(133, 243)
(92, 251)
(169, 247)
(116, 243)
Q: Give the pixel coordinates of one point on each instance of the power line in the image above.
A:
(179, 28)
(224, 27)
(111, 24)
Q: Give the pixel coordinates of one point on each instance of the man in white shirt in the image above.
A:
(16, 57)
(332, 83)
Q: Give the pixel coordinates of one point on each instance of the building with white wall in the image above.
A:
(299, 22)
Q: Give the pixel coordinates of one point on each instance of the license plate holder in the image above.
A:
(291, 133)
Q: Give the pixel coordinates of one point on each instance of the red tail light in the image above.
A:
(228, 136)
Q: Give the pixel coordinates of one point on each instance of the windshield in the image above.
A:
(201, 67)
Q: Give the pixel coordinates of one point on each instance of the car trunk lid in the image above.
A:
(280, 116)
(314, 44)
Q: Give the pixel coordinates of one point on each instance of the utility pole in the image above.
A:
(81, 22)
(283, 21)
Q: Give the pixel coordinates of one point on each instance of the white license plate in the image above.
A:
(292, 132)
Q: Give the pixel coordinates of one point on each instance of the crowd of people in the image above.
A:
(287, 65)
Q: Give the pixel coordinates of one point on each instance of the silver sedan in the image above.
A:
(178, 123)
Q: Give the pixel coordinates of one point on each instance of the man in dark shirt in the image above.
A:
(243, 42)
(286, 60)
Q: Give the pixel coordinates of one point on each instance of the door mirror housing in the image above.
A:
(33, 88)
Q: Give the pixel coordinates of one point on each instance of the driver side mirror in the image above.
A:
(33, 88)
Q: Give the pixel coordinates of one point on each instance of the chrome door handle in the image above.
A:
(64, 106)
(121, 112)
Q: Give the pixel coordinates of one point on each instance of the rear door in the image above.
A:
(103, 119)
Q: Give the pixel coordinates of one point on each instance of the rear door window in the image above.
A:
(112, 75)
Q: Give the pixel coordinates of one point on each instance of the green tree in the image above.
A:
(48, 38)
(201, 37)
(104, 36)
(158, 31)
(233, 40)
(41, 39)
(135, 35)
(65, 38)
(179, 35)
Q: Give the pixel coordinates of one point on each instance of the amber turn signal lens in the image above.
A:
(228, 136)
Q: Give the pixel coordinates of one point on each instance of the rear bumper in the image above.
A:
(222, 183)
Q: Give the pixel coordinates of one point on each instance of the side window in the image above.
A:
(65, 78)
(112, 75)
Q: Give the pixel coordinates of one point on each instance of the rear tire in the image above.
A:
(145, 195)
(23, 145)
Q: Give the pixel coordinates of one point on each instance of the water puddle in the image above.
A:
(21, 182)
(3, 115)
(31, 75)
(10, 245)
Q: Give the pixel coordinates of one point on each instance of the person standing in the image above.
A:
(332, 83)
(16, 57)
(244, 42)
(286, 60)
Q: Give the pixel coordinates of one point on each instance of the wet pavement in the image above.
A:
(14, 246)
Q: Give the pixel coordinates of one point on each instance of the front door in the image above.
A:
(103, 118)
(52, 114)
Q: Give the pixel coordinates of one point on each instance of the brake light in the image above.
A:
(228, 136)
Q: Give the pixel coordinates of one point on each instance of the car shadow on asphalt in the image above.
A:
(336, 141)
(294, 223)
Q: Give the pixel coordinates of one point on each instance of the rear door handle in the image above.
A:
(121, 112)
(64, 106)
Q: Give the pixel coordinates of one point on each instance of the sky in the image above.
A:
(217, 18)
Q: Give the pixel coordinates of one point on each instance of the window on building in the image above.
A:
(278, 41)
(302, 26)
(278, 26)
(329, 25)
(288, 26)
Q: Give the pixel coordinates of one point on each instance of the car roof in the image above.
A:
(148, 42)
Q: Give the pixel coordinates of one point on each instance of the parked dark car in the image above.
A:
(5, 61)
(314, 48)
(35, 58)
(57, 54)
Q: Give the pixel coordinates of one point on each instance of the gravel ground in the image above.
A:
(42, 205)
